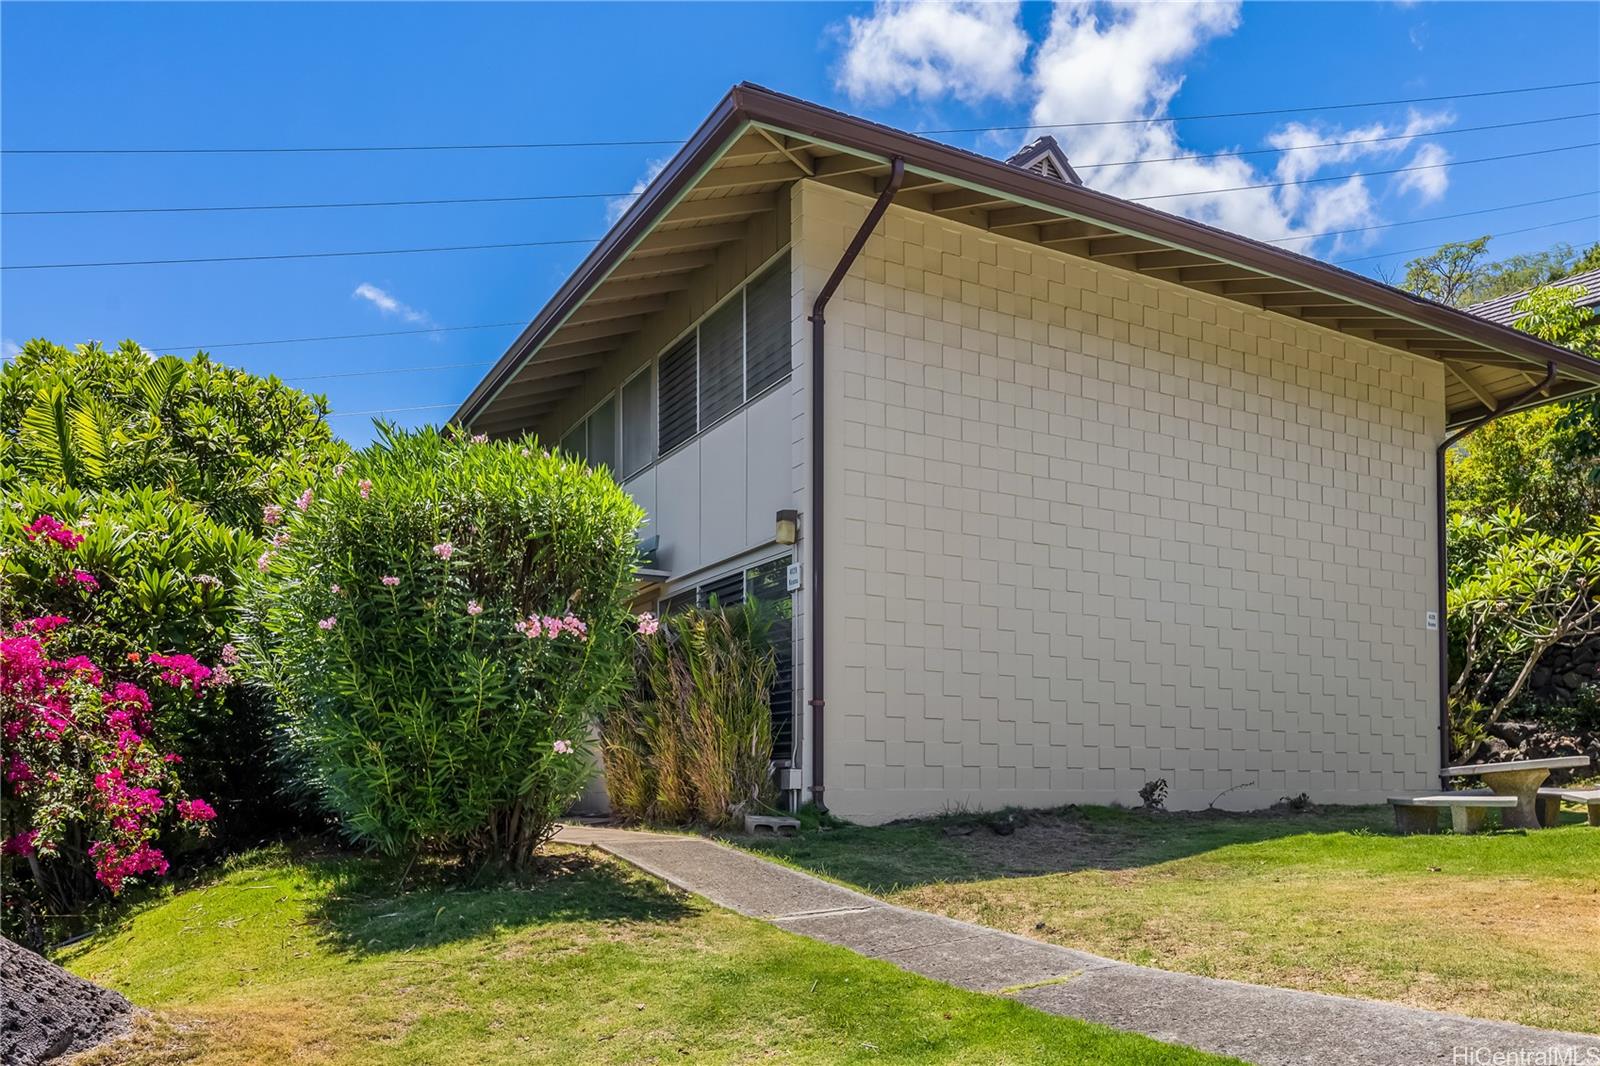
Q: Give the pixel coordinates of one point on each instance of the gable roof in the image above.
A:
(1503, 309)
(756, 142)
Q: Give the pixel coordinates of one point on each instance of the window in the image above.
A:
(602, 442)
(722, 362)
(638, 423)
(576, 442)
(676, 406)
(767, 328)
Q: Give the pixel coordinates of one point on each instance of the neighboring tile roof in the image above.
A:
(1502, 309)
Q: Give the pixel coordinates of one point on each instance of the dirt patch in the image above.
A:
(50, 1012)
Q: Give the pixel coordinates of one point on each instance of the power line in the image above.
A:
(659, 142)
(390, 370)
(1255, 114)
(392, 410)
(304, 255)
(1432, 218)
(591, 240)
(337, 337)
(458, 200)
(1433, 247)
(1197, 157)
(1369, 173)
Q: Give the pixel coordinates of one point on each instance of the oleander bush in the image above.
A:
(441, 625)
(693, 740)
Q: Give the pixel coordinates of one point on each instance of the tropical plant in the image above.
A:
(693, 742)
(1521, 593)
(94, 419)
(441, 624)
(87, 789)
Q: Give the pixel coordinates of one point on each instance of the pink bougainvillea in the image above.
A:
(47, 526)
(81, 770)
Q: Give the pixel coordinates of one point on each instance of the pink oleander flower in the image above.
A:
(364, 487)
(195, 810)
(474, 608)
(389, 580)
(328, 622)
(271, 514)
(208, 580)
(230, 655)
(303, 501)
(444, 549)
(480, 438)
(280, 538)
(335, 589)
(524, 452)
(648, 624)
(221, 678)
(263, 561)
(531, 627)
(576, 626)
(338, 470)
(563, 747)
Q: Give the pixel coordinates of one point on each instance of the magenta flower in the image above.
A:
(180, 670)
(49, 527)
(196, 810)
(563, 747)
(444, 549)
(389, 580)
(271, 514)
(21, 844)
(364, 487)
(86, 579)
(474, 608)
(648, 624)
(328, 622)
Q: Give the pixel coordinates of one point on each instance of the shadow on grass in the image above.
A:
(362, 909)
(964, 846)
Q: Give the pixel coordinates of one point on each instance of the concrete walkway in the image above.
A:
(1268, 1026)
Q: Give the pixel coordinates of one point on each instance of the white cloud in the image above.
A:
(1125, 59)
(1428, 185)
(968, 49)
(618, 205)
(390, 306)
(9, 349)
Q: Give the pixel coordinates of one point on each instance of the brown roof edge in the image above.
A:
(753, 103)
(718, 128)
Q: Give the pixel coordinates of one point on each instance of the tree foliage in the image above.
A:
(441, 624)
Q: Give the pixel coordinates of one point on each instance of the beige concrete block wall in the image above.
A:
(1088, 529)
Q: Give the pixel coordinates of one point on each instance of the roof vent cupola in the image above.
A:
(1045, 157)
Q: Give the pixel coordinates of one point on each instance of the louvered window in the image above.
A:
(722, 362)
(767, 328)
(676, 405)
(638, 424)
(602, 441)
(768, 583)
(679, 602)
(576, 442)
(723, 592)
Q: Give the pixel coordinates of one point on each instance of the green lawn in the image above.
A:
(1503, 925)
(292, 957)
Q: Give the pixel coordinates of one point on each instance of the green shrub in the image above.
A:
(442, 624)
(693, 742)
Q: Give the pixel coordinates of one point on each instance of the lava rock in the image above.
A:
(49, 1012)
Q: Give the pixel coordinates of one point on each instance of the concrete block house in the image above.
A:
(1067, 493)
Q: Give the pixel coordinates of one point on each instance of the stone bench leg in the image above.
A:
(1549, 811)
(1410, 820)
(1594, 813)
(1467, 820)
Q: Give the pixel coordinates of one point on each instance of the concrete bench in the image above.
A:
(1550, 803)
(1420, 814)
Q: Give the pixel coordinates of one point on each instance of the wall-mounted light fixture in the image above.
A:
(788, 527)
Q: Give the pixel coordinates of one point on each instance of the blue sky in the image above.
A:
(240, 75)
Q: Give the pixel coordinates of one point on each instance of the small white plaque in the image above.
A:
(792, 577)
(1433, 620)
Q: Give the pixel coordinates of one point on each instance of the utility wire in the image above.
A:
(519, 323)
(591, 240)
(330, 205)
(1368, 173)
(1502, 233)
(657, 142)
